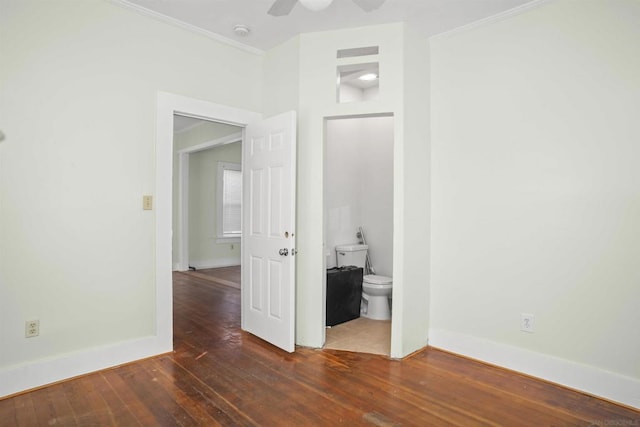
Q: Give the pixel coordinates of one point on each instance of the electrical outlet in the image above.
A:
(527, 322)
(31, 328)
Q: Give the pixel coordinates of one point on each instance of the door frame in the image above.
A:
(169, 104)
(395, 314)
(181, 261)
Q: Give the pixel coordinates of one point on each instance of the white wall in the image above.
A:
(359, 186)
(78, 95)
(281, 78)
(348, 93)
(536, 191)
(412, 193)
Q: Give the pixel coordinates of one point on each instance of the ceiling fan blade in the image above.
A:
(282, 7)
(369, 5)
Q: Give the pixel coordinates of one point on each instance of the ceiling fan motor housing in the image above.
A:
(284, 7)
(316, 5)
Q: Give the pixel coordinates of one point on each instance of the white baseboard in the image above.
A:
(215, 263)
(212, 263)
(585, 378)
(27, 376)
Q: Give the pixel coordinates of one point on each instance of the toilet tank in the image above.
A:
(351, 255)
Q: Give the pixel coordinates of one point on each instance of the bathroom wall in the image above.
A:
(376, 187)
(342, 184)
(359, 187)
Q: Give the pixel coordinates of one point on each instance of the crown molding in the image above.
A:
(491, 19)
(185, 26)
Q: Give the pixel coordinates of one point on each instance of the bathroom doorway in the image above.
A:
(358, 194)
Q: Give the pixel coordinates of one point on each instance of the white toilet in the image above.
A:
(376, 290)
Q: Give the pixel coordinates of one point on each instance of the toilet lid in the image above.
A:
(377, 280)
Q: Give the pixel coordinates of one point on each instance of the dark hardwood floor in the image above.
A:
(219, 375)
(229, 276)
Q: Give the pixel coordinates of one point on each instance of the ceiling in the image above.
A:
(220, 16)
(183, 123)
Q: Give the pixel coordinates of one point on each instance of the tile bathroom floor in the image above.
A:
(360, 335)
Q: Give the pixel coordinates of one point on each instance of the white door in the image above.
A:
(268, 230)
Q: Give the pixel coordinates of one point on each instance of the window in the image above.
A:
(229, 202)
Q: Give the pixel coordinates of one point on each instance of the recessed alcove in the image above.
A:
(358, 82)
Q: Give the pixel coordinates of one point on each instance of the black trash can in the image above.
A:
(344, 292)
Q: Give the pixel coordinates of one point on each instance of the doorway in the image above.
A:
(358, 186)
(168, 105)
(206, 194)
(274, 137)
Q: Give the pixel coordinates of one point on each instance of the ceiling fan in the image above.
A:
(284, 7)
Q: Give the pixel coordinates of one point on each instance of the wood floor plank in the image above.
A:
(44, 410)
(87, 406)
(25, 412)
(204, 396)
(388, 403)
(459, 393)
(167, 384)
(142, 413)
(161, 403)
(390, 399)
(8, 415)
(110, 403)
(221, 375)
(229, 276)
(61, 406)
(234, 379)
(544, 394)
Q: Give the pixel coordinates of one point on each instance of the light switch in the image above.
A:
(147, 203)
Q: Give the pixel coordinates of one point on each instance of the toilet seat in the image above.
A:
(374, 279)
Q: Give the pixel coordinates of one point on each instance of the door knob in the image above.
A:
(284, 252)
